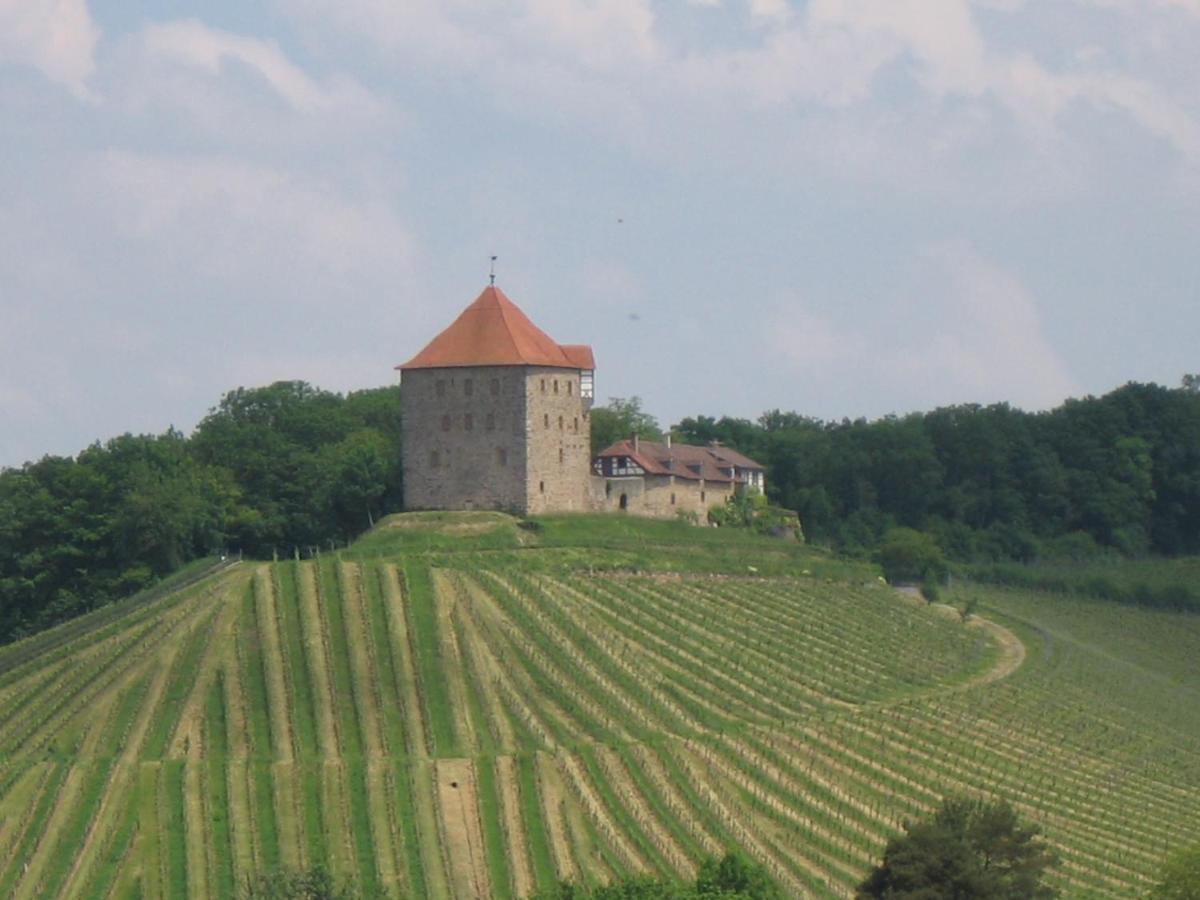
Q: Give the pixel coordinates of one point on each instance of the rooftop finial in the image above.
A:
(492, 273)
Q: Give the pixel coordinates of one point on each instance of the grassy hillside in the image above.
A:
(460, 706)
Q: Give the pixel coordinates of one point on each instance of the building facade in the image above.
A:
(497, 416)
(666, 480)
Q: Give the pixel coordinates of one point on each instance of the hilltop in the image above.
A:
(472, 705)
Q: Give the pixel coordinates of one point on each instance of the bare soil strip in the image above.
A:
(339, 835)
(734, 823)
(120, 780)
(498, 623)
(195, 829)
(502, 669)
(590, 860)
(64, 808)
(17, 808)
(279, 707)
(241, 830)
(513, 826)
(362, 663)
(446, 599)
(312, 629)
(462, 834)
(487, 681)
(630, 708)
(288, 816)
(879, 825)
(639, 808)
(683, 811)
(406, 690)
(830, 868)
(619, 649)
(552, 797)
(188, 739)
(582, 788)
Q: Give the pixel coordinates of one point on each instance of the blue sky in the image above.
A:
(840, 207)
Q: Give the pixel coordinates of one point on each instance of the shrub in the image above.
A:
(969, 848)
(910, 556)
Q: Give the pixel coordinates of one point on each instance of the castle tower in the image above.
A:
(496, 416)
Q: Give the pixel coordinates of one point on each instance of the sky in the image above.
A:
(843, 208)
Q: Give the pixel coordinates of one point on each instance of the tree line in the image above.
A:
(288, 466)
(267, 470)
(1114, 474)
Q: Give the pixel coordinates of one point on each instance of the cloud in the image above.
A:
(237, 218)
(191, 43)
(619, 68)
(57, 37)
(961, 330)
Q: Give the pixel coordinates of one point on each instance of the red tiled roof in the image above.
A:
(493, 331)
(580, 355)
(682, 460)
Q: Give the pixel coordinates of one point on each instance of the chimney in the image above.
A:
(635, 443)
(668, 440)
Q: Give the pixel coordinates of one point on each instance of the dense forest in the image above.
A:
(285, 467)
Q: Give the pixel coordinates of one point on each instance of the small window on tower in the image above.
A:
(543, 385)
(556, 385)
(577, 423)
(560, 421)
(672, 499)
(435, 459)
(546, 419)
(570, 388)
(468, 386)
(468, 422)
(541, 487)
(445, 423)
(560, 456)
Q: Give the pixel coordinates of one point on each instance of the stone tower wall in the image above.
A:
(558, 435)
(464, 438)
(514, 438)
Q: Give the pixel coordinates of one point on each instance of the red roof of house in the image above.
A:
(683, 460)
(493, 331)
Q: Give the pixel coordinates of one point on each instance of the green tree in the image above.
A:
(619, 419)
(285, 884)
(968, 848)
(907, 555)
(1180, 876)
(733, 875)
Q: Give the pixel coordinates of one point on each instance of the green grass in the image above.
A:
(217, 807)
(298, 679)
(346, 701)
(427, 648)
(171, 801)
(493, 834)
(538, 841)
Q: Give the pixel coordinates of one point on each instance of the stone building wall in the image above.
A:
(464, 438)
(659, 496)
(558, 437)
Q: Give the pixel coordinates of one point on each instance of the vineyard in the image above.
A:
(483, 723)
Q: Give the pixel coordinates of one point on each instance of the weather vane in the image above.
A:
(492, 273)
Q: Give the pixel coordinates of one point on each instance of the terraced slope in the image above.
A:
(453, 731)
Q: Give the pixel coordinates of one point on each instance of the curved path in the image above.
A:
(1012, 650)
